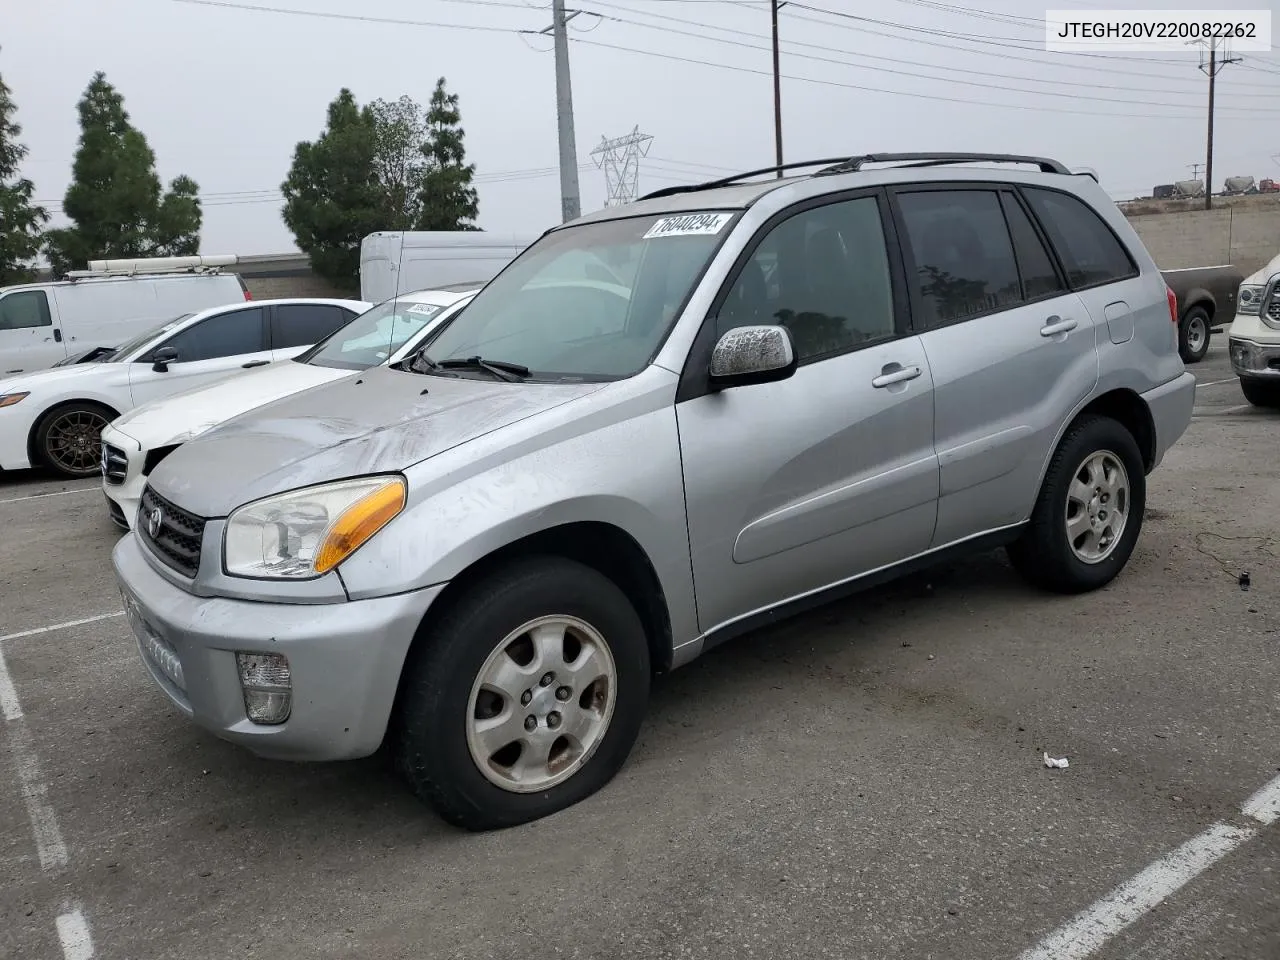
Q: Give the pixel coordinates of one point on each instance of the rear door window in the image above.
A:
(963, 254)
(1090, 251)
(302, 324)
(27, 308)
(1039, 278)
(223, 335)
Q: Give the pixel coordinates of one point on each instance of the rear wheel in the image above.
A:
(1088, 516)
(68, 439)
(1261, 393)
(1193, 335)
(526, 697)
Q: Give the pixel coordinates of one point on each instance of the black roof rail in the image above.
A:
(727, 181)
(854, 164)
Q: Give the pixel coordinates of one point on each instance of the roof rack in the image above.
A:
(854, 164)
(152, 265)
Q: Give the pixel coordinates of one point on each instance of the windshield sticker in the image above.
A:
(425, 308)
(688, 225)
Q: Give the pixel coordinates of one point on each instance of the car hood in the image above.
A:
(186, 415)
(52, 378)
(1260, 276)
(377, 421)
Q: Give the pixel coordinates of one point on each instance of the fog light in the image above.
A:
(267, 686)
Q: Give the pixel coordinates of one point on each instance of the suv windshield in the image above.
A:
(589, 302)
(373, 336)
(126, 348)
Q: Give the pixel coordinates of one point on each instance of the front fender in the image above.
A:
(624, 473)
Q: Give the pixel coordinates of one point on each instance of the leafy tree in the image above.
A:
(20, 219)
(332, 196)
(115, 200)
(449, 201)
(399, 160)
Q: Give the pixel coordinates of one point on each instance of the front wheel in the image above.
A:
(1089, 512)
(1193, 335)
(526, 697)
(68, 439)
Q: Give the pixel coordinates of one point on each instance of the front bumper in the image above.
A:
(1253, 360)
(345, 659)
(122, 478)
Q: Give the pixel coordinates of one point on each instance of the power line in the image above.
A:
(324, 14)
(913, 63)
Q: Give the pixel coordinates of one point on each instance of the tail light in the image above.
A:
(1173, 304)
(248, 295)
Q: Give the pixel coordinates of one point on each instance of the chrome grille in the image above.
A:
(115, 464)
(174, 535)
(1273, 307)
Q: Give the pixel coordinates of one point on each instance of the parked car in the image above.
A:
(396, 261)
(1254, 338)
(805, 386)
(134, 443)
(41, 324)
(1206, 298)
(54, 418)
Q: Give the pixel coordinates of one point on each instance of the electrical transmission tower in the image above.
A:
(620, 160)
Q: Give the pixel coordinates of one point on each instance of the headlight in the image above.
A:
(1249, 299)
(9, 399)
(308, 532)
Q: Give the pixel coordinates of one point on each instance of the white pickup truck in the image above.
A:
(1254, 337)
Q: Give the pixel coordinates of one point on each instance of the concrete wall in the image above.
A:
(285, 275)
(1245, 234)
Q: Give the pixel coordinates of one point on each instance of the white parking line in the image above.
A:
(74, 934)
(60, 626)
(44, 823)
(41, 496)
(1214, 383)
(9, 705)
(1091, 929)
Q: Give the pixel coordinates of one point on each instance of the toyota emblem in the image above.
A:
(153, 523)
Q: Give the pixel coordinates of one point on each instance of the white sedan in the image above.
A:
(54, 417)
(389, 332)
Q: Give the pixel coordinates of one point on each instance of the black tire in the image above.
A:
(85, 420)
(1261, 393)
(1193, 335)
(430, 731)
(1043, 555)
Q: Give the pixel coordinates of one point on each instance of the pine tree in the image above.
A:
(449, 201)
(115, 198)
(332, 197)
(20, 219)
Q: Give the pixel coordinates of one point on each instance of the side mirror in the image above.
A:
(161, 359)
(755, 354)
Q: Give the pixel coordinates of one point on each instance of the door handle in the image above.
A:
(901, 375)
(1055, 325)
(255, 363)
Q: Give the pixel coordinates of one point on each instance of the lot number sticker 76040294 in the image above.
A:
(688, 225)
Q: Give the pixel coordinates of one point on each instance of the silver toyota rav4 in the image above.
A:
(662, 425)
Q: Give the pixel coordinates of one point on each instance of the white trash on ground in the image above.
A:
(1060, 764)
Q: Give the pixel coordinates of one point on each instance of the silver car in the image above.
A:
(662, 425)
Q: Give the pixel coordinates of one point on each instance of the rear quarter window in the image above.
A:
(1091, 253)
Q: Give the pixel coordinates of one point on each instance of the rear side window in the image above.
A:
(30, 308)
(1039, 279)
(302, 324)
(224, 335)
(1089, 250)
(963, 254)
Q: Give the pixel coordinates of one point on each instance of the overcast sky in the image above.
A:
(224, 91)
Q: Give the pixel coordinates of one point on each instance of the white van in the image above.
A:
(393, 262)
(45, 324)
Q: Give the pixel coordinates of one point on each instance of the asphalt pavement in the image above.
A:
(864, 781)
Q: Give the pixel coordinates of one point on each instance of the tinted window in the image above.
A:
(1034, 263)
(824, 274)
(1088, 248)
(27, 309)
(302, 324)
(224, 335)
(373, 336)
(963, 255)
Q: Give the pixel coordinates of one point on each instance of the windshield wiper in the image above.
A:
(502, 369)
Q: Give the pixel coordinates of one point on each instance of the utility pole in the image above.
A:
(1195, 170)
(777, 89)
(570, 199)
(1214, 64)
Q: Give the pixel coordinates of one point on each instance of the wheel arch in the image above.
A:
(33, 453)
(1126, 407)
(597, 544)
(1199, 297)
